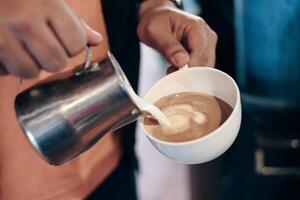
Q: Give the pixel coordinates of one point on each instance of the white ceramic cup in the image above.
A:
(210, 81)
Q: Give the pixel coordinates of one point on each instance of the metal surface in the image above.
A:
(262, 168)
(65, 117)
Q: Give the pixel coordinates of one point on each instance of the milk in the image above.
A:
(149, 108)
(155, 112)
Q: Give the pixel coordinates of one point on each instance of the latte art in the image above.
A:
(192, 115)
(181, 115)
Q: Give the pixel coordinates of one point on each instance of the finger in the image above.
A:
(211, 59)
(93, 37)
(172, 49)
(68, 29)
(213, 38)
(16, 60)
(198, 45)
(44, 47)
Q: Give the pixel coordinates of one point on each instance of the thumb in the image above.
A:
(174, 52)
(93, 37)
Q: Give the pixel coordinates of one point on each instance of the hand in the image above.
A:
(181, 37)
(40, 34)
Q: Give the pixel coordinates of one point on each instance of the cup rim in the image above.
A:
(211, 134)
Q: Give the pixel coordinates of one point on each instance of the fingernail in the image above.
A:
(181, 59)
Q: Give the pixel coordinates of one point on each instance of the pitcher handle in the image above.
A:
(88, 60)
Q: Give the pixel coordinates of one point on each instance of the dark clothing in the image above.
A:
(219, 15)
(121, 22)
(119, 185)
(120, 19)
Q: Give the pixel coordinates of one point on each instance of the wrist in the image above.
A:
(148, 5)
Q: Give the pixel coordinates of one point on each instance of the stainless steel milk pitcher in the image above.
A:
(65, 117)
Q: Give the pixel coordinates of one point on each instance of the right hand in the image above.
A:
(40, 34)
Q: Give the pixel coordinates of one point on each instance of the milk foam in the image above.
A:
(149, 108)
(180, 116)
(192, 115)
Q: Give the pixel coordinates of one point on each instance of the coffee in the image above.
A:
(192, 115)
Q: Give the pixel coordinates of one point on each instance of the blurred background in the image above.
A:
(258, 45)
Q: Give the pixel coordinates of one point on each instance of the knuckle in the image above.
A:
(168, 11)
(79, 47)
(56, 64)
(204, 58)
(22, 69)
(21, 26)
(198, 22)
(30, 73)
(16, 71)
(196, 26)
(34, 74)
(170, 51)
(150, 27)
(214, 36)
(54, 59)
(168, 48)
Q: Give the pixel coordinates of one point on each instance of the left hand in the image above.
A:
(181, 37)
